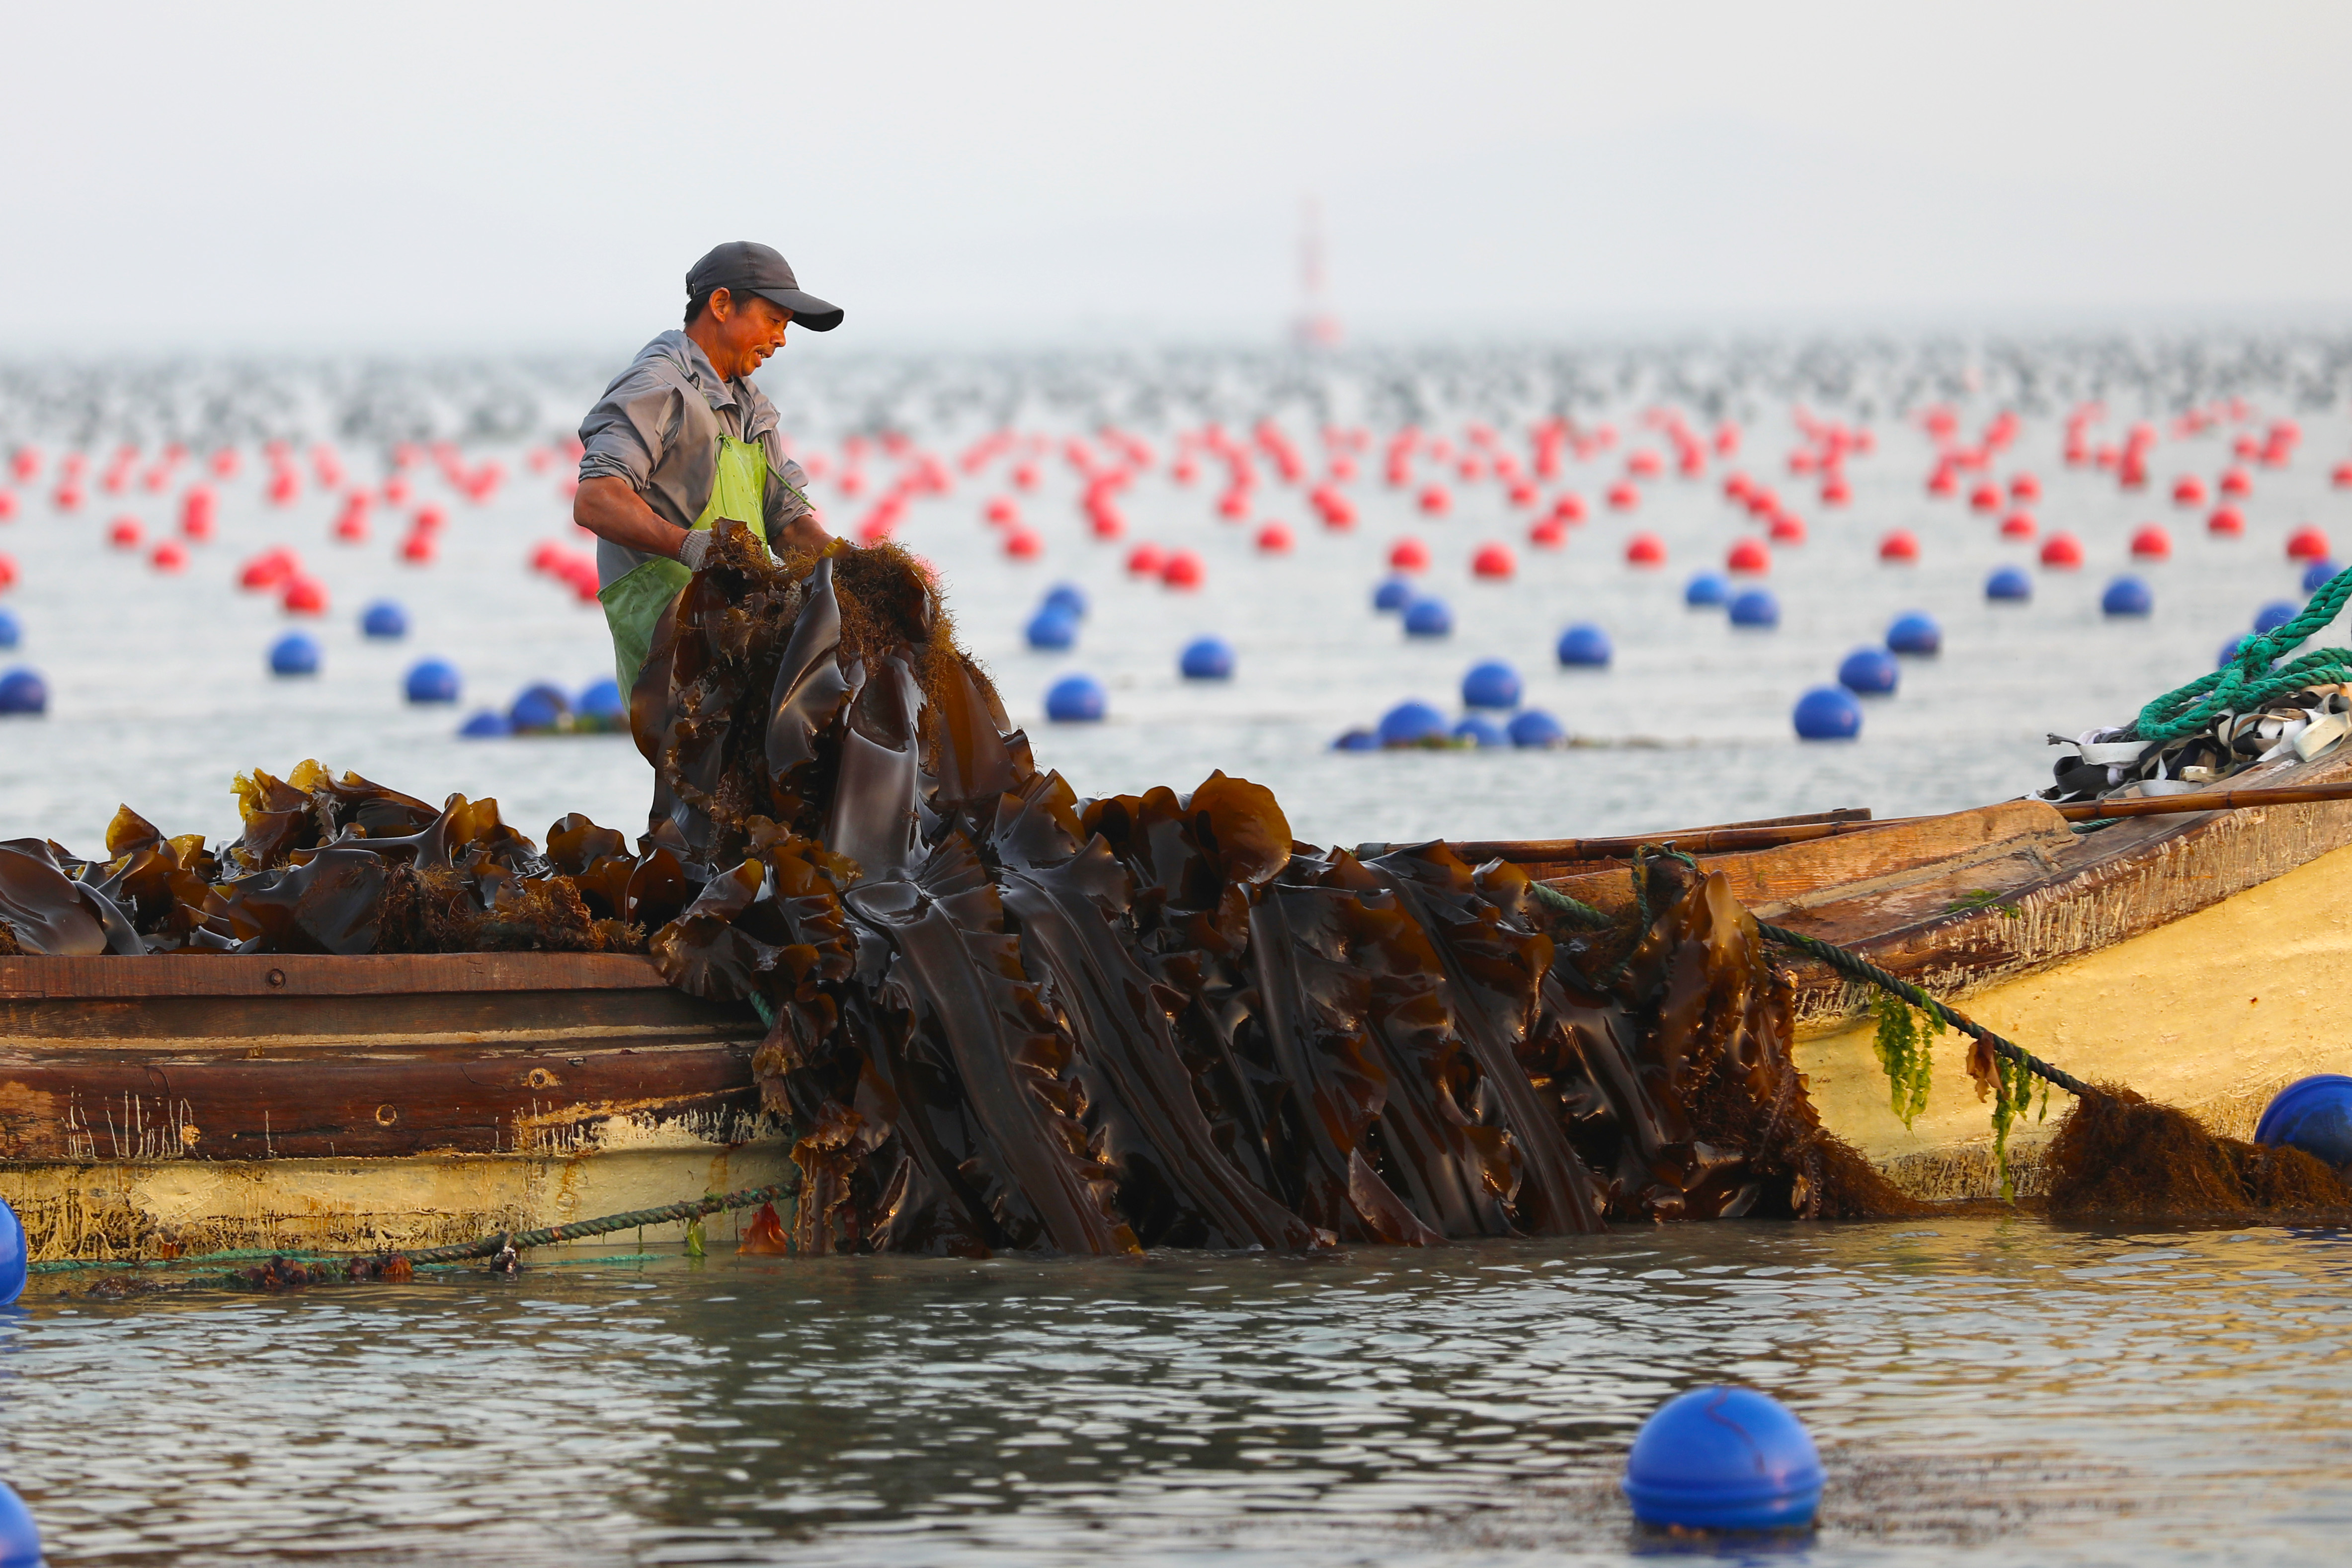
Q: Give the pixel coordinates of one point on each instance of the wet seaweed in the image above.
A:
(1003, 1017)
(2117, 1155)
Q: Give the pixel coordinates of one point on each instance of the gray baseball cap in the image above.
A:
(741, 265)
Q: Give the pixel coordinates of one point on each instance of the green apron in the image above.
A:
(632, 606)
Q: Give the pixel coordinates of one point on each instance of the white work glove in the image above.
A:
(691, 554)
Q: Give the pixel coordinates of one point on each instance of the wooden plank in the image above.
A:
(319, 974)
(112, 1109)
(1765, 832)
(279, 1024)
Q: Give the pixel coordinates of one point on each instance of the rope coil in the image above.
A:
(2249, 681)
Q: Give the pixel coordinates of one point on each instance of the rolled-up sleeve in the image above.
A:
(627, 431)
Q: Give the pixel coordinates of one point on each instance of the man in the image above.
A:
(682, 438)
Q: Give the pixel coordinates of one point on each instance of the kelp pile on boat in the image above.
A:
(1006, 1017)
(340, 865)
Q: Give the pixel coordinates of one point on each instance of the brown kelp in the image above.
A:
(1004, 1018)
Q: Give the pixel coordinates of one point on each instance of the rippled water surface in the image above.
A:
(1983, 1392)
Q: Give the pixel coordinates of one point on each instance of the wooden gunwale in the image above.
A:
(1961, 901)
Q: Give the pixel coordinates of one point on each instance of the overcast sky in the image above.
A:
(434, 177)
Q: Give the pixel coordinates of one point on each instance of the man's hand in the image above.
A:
(803, 532)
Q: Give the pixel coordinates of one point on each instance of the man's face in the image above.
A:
(751, 328)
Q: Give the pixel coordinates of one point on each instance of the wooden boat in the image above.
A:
(199, 1103)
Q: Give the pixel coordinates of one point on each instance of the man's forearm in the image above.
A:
(608, 508)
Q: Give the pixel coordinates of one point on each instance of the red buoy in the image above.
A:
(418, 548)
(2062, 551)
(1985, 497)
(1548, 535)
(1022, 546)
(304, 596)
(1748, 555)
(1569, 508)
(2306, 544)
(1834, 491)
(2017, 524)
(2227, 521)
(1787, 528)
(1624, 497)
(2236, 481)
(1181, 570)
(1001, 512)
(1436, 501)
(169, 556)
(2343, 476)
(1274, 539)
(126, 534)
(2024, 486)
(1943, 483)
(1145, 559)
(1494, 561)
(1645, 550)
(2151, 543)
(1900, 545)
(1408, 555)
(2188, 490)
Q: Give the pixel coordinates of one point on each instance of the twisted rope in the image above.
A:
(1856, 967)
(2248, 680)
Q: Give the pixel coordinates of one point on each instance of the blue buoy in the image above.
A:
(2126, 597)
(383, 620)
(541, 707)
(11, 631)
(1207, 658)
(2274, 615)
(296, 653)
(2009, 582)
(1707, 591)
(1722, 1458)
(1826, 713)
(1869, 672)
(1076, 700)
(1393, 593)
(485, 725)
(12, 1255)
(1067, 597)
(1755, 607)
(1476, 730)
(2313, 1114)
(2315, 577)
(1411, 724)
(20, 1535)
(604, 705)
(431, 680)
(1428, 619)
(1584, 647)
(23, 690)
(1492, 684)
(1538, 729)
(1357, 740)
(1914, 632)
(1052, 629)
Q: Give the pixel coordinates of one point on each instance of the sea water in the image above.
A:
(1989, 1391)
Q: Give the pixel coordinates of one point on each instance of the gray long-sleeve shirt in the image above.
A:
(657, 426)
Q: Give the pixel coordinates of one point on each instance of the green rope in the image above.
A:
(2247, 682)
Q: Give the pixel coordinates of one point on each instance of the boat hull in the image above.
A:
(188, 1103)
